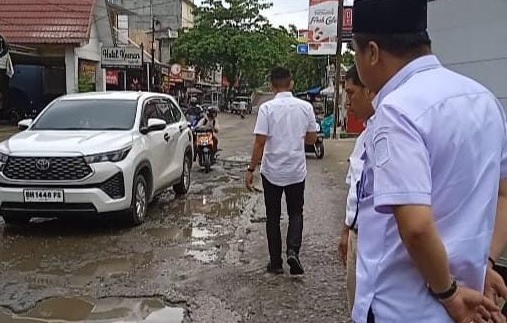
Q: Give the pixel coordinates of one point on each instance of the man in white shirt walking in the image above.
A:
(284, 125)
(359, 103)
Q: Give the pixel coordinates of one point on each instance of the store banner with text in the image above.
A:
(323, 25)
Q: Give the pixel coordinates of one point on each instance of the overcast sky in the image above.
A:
(286, 12)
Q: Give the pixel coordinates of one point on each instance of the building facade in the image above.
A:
(55, 48)
(170, 16)
(469, 37)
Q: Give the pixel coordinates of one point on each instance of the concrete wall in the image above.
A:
(187, 14)
(100, 35)
(470, 37)
(167, 11)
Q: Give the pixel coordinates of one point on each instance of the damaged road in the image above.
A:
(199, 258)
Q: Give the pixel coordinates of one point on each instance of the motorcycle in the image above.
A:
(318, 146)
(204, 147)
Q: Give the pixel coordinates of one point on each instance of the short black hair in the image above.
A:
(399, 45)
(353, 75)
(280, 77)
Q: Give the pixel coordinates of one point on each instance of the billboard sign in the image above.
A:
(323, 24)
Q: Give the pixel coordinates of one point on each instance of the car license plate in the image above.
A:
(43, 196)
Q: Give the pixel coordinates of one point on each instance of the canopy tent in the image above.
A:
(314, 91)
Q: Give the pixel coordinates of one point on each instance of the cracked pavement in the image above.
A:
(199, 258)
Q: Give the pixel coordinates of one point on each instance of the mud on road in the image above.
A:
(199, 258)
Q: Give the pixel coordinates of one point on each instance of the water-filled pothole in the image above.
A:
(106, 310)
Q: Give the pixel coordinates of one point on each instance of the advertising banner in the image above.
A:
(323, 25)
(112, 77)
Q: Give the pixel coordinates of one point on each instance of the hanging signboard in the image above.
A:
(121, 57)
(323, 24)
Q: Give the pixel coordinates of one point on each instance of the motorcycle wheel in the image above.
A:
(207, 162)
(319, 150)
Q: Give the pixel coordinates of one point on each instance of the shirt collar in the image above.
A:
(420, 64)
(283, 95)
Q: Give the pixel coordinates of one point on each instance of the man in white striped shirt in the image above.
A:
(359, 102)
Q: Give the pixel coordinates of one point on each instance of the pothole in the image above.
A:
(106, 310)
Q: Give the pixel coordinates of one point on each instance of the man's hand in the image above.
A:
(470, 306)
(249, 181)
(343, 245)
(494, 285)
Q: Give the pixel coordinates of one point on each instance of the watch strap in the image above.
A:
(442, 296)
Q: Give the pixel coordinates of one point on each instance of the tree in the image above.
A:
(230, 34)
(348, 58)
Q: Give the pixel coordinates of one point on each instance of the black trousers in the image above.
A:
(294, 197)
(371, 318)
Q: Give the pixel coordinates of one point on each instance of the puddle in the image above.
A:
(107, 310)
(210, 205)
(107, 267)
(205, 256)
(178, 234)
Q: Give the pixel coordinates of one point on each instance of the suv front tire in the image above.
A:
(184, 185)
(140, 197)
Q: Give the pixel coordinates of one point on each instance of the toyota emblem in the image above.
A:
(42, 164)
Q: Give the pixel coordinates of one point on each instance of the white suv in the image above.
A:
(95, 153)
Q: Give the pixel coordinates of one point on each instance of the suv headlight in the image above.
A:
(112, 156)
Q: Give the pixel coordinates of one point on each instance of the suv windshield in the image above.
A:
(88, 114)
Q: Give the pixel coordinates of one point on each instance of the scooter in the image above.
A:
(318, 146)
(204, 147)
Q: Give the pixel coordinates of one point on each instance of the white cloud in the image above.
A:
(286, 12)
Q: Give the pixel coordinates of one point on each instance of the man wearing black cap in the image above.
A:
(435, 169)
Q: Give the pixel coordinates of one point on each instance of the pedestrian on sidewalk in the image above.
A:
(284, 125)
(359, 103)
(435, 169)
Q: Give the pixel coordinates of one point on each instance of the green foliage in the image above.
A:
(233, 35)
(348, 58)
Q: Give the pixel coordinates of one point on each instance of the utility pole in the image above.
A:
(338, 65)
(152, 70)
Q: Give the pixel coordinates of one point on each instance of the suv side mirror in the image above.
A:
(24, 124)
(154, 124)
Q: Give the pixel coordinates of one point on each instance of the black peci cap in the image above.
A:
(390, 16)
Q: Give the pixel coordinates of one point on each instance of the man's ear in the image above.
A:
(291, 84)
(373, 53)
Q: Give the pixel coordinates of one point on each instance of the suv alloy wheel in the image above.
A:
(184, 185)
(139, 205)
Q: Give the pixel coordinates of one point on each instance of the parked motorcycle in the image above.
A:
(318, 146)
(204, 147)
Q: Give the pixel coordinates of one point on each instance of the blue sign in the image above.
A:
(302, 49)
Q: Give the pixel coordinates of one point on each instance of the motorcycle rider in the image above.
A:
(210, 120)
(194, 112)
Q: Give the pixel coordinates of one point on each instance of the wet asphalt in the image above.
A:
(199, 258)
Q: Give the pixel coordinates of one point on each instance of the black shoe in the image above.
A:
(296, 268)
(277, 270)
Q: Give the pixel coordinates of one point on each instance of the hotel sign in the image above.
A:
(121, 57)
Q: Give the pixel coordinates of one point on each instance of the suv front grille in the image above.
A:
(114, 187)
(46, 168)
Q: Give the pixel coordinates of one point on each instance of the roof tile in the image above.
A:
(46, 21)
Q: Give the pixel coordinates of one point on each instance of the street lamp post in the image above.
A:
(152, 74)
(338, 65)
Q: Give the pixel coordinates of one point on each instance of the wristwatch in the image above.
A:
(446, 294)
(251, 170)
